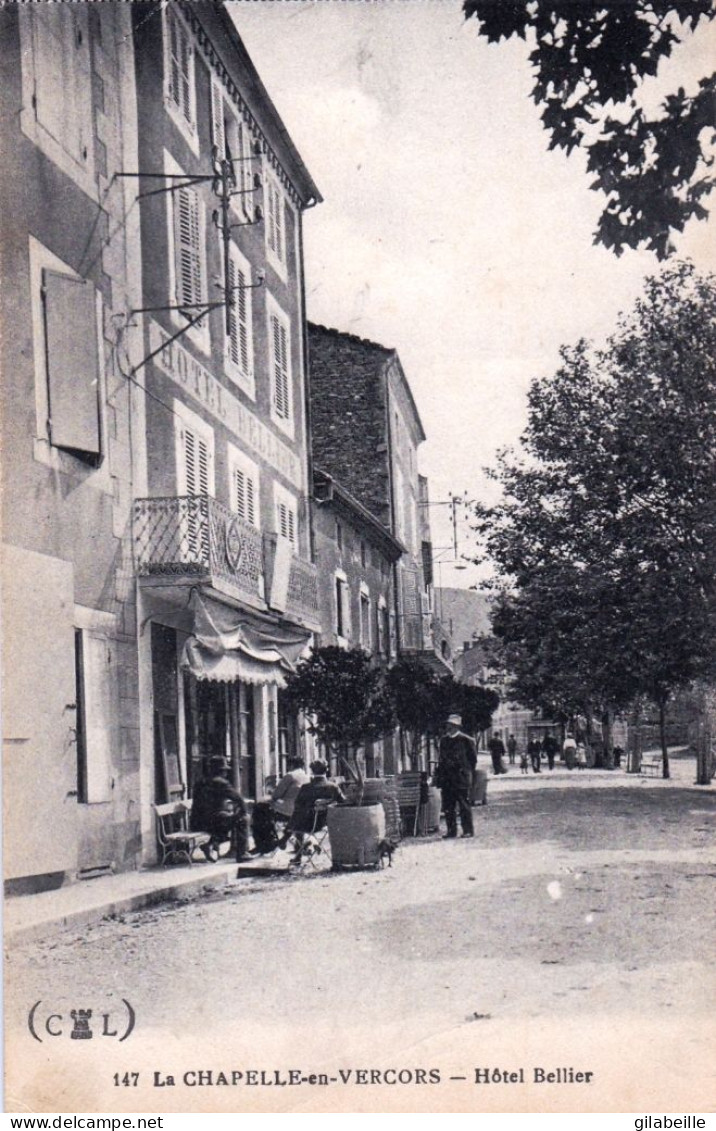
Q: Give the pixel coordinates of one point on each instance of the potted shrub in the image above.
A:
(346, 704)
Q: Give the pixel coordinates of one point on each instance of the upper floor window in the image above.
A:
(365, 619)
(343, 608)
(275, 223)
(194, 452)
(187, 263)
(231, 137)
(280, 366)
(286, 514)
(244, 486)
(179, 75)
(57, 111)
(239, 353)
(73, 372)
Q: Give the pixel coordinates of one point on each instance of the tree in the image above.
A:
(422, 701)
(345, 700)
(591, 55)
(605, 537)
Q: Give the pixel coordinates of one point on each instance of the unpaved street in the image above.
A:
(580, 919)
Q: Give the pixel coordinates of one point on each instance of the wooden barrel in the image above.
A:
(356, 833)
(385, 791)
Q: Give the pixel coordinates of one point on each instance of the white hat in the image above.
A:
(455, 719)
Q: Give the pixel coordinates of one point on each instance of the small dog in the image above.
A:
(386, 849)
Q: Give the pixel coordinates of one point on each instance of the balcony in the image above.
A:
(425, 638)
(196, 539)
(291, 583)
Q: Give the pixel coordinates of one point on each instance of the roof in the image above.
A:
(266, 113)
(339, 496)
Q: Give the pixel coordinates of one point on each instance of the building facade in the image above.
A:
(72, 428)
(356, 556)
(223, 549)
(366, 433)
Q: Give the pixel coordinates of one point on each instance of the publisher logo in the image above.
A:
(85, 1023)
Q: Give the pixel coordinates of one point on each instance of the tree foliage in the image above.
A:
(423, 699)
(343, 696)
(589, 59)
(604, 540)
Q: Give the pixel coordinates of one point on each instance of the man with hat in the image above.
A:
(218, 809)
(456, 764)
(319, 788)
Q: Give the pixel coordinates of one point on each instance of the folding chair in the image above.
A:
(314, 846)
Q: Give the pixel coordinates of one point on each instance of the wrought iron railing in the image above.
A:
(303, 591)
(198, 537)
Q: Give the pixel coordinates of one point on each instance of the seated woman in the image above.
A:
(218, 809)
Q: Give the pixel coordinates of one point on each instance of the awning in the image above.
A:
(229, 644)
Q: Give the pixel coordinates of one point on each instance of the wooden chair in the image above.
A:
(409, 801)
(173, 833)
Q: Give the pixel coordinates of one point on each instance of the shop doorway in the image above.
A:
(220, 724)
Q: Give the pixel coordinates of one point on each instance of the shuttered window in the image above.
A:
(218, 124)
(195, 478)
(62, 94)
(197, 464)
(73, 379)
(179, 70)
(286, 514)
(279, 339)
(189, 251)
(275, 221)
(244, 486)
(365, 621)
(239, 343)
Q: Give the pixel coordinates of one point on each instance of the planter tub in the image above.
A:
(355, 834)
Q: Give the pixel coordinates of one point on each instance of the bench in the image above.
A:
(652, 765)
(175, 838)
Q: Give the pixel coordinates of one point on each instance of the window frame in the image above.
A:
(199, 334)
(287, 499)
(184, 418)
(274, 311)
(242, 376)
(239, 461)
(187, 126)
(342, 606)
(275, 225)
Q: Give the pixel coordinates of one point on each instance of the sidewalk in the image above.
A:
(31, 916)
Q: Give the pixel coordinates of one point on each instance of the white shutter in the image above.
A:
(245, 496)
(190, 461)
(197, 463)
(275, 221)
(286, 522)
(218, 131)
(185, 76)
(246, 179)
(279, 340)
(189, 257)
(239, 341)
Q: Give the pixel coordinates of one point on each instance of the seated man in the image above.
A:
(276, 808)
(283, 798)
(302, 819)
(218, 809)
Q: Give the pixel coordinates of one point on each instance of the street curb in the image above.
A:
(169, 891)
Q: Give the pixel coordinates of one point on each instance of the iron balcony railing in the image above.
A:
(196, 537)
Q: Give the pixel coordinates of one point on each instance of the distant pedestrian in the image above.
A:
(618, 755)
(569, 751)
(524, 762)
(457, 760)
(497, 753)
(535, 752)
(511, 749)
(550, 748)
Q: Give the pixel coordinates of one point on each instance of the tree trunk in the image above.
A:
(634, 743)
(608, 738)
(704, 735)
(662, 735)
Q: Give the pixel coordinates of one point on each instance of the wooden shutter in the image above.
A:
(218, 130)
(63, 93)
(197, 463)
(189, 257)
(286, 522)
(275, 224)
(246, 178)
(239, 342)
(245, 496)
(72, 363)
(279, 339)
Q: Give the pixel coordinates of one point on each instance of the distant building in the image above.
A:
(355, 556)
(366, 433)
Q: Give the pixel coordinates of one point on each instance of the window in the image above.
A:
(239, 340)
(244, 486)
(195, 478)
(339, 536)
(280, 363)
(57, 86)
(188, 256)
(94, 680)
(363, 554)
(383, 627)
(343, 612)
(275, 223)
(365, 619)
(232, 138)
(286, 514)
(73, 373)
(179, 76)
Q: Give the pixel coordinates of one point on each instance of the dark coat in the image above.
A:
(456, 762)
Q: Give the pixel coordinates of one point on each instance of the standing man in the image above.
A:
(511, 749)
(457, 760)
(497, 752)
(535, 751)
(550, 749)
